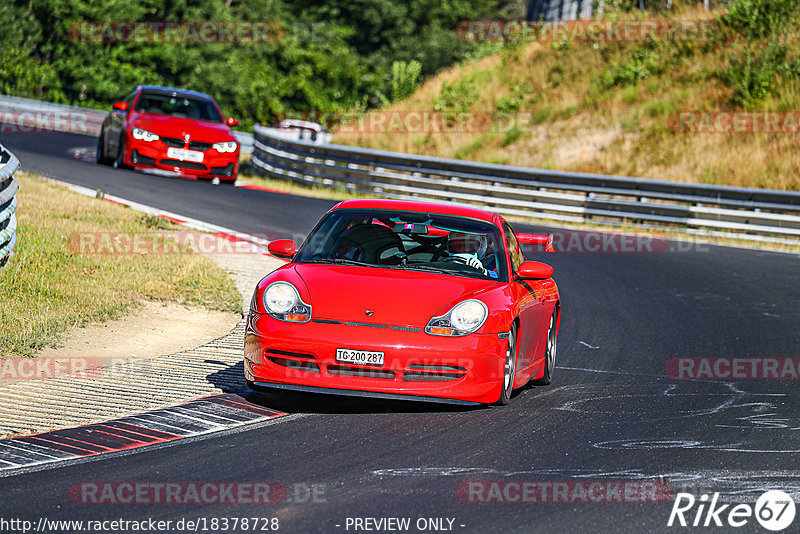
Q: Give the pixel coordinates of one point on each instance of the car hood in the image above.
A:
(167, 126)
(397, 297)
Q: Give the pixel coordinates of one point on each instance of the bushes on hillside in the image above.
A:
(332, 55)
(763, 55)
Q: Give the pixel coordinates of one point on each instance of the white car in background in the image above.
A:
(304, 131)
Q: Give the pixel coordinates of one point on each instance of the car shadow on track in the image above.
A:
(319, 403)
(231, 380)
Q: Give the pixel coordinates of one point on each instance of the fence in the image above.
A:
(8, 204)
(756, 214)
(585, 9)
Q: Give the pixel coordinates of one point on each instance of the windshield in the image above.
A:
(178, 106)
(405, 240)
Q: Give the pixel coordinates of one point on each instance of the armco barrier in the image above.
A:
(756, 214)
(8, 204)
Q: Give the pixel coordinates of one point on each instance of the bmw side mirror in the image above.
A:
(121, 106)
(230, 121)
(535, 270)
(282, 248)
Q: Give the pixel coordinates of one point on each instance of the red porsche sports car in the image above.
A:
(405, 300)
(172, 130)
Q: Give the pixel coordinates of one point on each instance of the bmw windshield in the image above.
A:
(405, 240)
(178, 106)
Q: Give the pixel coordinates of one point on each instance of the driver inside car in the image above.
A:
(470, 248)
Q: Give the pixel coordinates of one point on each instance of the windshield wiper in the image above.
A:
(433, 269)
(339, 261)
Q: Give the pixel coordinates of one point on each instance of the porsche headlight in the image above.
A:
(144, 135)
(282, 301)
(227, 146)
(464, 318)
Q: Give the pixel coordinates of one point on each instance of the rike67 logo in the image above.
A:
(774, 510)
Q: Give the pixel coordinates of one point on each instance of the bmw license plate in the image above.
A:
(365, 357)
(185, 155)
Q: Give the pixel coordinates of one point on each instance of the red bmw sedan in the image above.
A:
(175, 130)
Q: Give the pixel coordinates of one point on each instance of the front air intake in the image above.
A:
(357, 371)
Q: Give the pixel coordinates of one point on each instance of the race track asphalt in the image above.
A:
(612, 413)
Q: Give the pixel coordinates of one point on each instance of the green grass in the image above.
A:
(48, 287)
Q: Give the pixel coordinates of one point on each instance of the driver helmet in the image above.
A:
(464, 243)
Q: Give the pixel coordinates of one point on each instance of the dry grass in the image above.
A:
(567, 119)
(47, 288)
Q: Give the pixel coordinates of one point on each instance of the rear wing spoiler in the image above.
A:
(545, 241)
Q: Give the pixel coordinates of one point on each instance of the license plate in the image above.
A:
(185, 155)
(366, 357)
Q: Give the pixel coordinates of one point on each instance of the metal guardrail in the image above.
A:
(8, 204)
(756, 214)
(25, 114)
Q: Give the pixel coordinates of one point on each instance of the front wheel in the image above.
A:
(510, 369)
(119, 162)
(100, 156)
(549, 354)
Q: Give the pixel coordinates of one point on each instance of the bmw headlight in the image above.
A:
(227, 146)
(282, 301)
(464, 318)
(144, 135)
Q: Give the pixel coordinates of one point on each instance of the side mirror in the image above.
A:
(230, 121)
(535, 270)
(121, 106)
(282, 248)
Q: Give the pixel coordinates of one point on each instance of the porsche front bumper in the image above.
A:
(417, 366)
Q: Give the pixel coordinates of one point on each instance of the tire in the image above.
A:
(549, 354)
(510, 368)
(119, 162)
(100, 155)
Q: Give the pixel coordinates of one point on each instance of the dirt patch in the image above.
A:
(151, 330)
(585, 147)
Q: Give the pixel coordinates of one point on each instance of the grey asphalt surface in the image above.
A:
(611, 414)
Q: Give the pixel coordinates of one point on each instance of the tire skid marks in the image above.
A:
(723, 404)
(201, 416)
